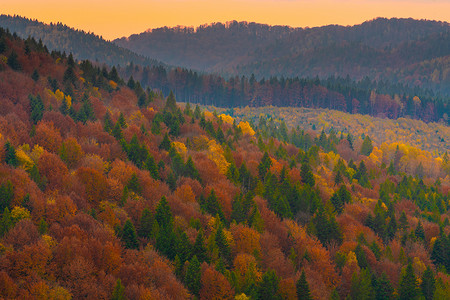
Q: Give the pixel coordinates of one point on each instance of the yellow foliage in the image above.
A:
(180, 148)
(68, 100)
(246, 128)
(36, 153)
(226, 118)
(24, 160)
(19, 213)
(351, 257)
(241, 297)
(113, 84)
(49, 240)
(215, 153)
(200, 143)
(59, 95)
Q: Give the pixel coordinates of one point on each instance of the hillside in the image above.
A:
(381, 49)
(110, 191)
(82, 45)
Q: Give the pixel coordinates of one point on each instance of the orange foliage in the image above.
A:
(214, 285)
(48, 137)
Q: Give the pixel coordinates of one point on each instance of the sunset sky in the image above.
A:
(117, 18)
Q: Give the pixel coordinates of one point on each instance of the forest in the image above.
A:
(407, 51)
(109, 190)
(376, 98)
(82, 45)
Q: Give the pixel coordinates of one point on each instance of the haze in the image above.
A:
(113, 19)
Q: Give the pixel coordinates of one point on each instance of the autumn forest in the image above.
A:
(154, 182)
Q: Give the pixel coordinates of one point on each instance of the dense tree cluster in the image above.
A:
(104, 195)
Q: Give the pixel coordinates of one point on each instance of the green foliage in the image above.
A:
(306, 173)
(268, 287)
(428, 285)
(193, 276)
(362, 286)
(407, 288)
(366, 147)
(129, 236)
(6, 194)
(119, 291)
(171, 103)
(165, 144)
(302, 287)
(13, 61)
(340, 198)
(264, 166)
(5, 222)
(10, 154)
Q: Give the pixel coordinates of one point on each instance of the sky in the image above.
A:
(117, 18)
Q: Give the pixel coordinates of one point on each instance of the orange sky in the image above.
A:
(117, 18)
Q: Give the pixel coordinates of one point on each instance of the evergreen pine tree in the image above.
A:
(302, 286)
(268, 287)
(165, 144)
(199, 248)
(129, 236)
(171, 103)
(5, 222)
(428, 285)
(13, 61)
(107, 122)
(420, 232)
(366, 147)
(306, 173)
(193, 276)
(10, 155)
(407, 288)
(146, 224)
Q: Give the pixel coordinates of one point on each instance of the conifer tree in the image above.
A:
(199, 248)
(129, 236)
(171, 103)
(268, 287)
(165, 144)
(428, 285)
(146, 224)
(366, 147)
(193, 276)
(420, 232)
(306, 173)
(407, 288)
(10, 155)
(302, 286)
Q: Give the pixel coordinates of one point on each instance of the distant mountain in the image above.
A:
(82, 44)
(381, 48)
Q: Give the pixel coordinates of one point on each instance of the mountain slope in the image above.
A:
(374, 48)
(83, 45)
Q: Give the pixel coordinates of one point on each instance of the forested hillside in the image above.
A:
(82, 45)
(388, 49)
(110, 191)
(376, 98)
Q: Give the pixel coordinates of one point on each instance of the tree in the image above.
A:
(190, 170)
(428, 284)
(340, 198)
(268, 287)
(13, 61)
(146, 224)
(302, 286)
(366, 147)
(306, 173)
(10, 155)
(129, 236)
(119, 291)
(193, 276)
(199, 248)
(264, 166)
(420, 232)
(165, 144)
(6, 195)
(407, 288)
(37, 108)
(171, 103)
